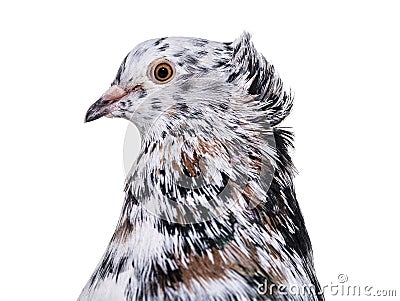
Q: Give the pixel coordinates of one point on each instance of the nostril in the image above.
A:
(113, 94)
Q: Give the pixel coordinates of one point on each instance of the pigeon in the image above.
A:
(210, 210)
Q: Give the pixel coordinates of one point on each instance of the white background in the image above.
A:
(62, 180)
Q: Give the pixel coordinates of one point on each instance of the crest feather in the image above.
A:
(251, 70)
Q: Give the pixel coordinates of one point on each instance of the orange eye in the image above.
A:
(162, 72)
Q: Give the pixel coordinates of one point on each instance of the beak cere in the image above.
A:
(105, 104)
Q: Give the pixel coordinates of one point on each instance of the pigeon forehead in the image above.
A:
(188, 53)
(180, 46)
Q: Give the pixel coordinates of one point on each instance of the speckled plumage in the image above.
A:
(210, 211)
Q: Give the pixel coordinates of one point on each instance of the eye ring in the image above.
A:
(161, 71)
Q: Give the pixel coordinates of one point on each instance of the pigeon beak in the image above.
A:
(105, 104)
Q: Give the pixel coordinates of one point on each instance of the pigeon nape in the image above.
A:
(210, 211)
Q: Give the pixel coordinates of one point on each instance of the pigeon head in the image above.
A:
(161, 75)
(165, 80)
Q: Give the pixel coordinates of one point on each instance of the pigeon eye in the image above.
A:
(161, 72)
